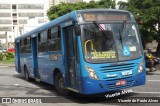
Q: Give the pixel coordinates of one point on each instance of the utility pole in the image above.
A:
(6, 40)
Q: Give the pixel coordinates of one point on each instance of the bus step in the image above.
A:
(72, 89)
(37, 79)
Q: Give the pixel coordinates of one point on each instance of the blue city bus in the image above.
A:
(85, 51)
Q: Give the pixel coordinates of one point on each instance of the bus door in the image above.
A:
(71, 56)
(35, 59)
(18, 65)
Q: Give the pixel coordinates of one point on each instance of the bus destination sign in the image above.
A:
(115, 16)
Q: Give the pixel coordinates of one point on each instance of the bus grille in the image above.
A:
(115, 68)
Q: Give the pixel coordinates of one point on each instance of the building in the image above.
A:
(15, 15)
(56, 2)
(19, 16)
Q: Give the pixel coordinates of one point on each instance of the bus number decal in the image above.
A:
(126, 73)
(53, 57)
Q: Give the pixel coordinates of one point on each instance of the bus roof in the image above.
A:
(101, 9)
(72, 15)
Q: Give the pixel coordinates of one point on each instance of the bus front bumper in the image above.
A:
(90, 86)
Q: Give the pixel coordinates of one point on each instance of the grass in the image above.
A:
(10, 61)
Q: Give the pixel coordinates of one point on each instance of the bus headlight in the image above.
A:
(92, 73)
(140, 69)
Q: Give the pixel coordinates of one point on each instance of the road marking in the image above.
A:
(32, 85)
(3, 66)
(153, 80)
(157, 73)
(146, 92)
(16, 84)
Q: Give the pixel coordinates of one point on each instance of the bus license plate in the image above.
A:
(121, 82)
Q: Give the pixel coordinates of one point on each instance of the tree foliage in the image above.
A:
(147, 14)
(64, 8)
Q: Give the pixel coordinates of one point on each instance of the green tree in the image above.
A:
(147, 14)
(64, 8)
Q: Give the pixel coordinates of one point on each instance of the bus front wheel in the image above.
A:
(59, 85)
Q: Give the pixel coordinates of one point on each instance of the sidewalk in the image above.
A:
(8, 64)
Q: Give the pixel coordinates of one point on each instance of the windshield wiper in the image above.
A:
(122, 32)
(120, 38)
(107, 34)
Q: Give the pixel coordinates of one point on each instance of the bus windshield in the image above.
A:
(122, 44)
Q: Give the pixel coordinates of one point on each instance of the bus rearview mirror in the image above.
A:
(77, 29)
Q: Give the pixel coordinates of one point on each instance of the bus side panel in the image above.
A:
(22, 60)
(26, 60)
(28, 63)
(47, 64)
(44, 67)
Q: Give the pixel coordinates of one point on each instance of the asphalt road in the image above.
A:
(13, 85)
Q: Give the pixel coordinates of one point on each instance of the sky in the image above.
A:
(118, 1)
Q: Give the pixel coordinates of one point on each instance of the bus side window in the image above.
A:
(39, 37)
(42, 37)
(54, 39)
(28, 46)
(39, 42)
(22, 46)
(49, 34)
(25, 45)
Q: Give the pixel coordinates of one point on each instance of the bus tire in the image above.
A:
(26, 74)
(59, 85)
